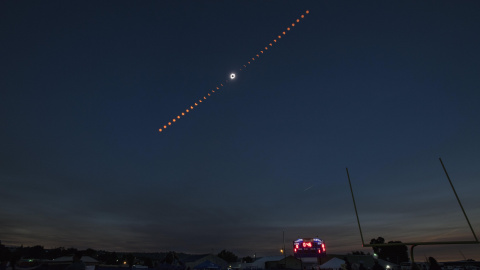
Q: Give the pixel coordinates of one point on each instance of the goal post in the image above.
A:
(414, 244)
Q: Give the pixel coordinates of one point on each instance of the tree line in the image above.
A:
(38, 252)
(13, 255)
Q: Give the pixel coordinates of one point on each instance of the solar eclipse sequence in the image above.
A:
(232, 76)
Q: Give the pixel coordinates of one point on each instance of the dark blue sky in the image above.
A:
(383, 88)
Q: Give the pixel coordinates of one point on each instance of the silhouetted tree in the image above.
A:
(109, 258)
(69, 251)
(247, 259)
(56, 253)
(148, 262)
(16, 256)
(394, 253)
(172, 258)
(379, 240)
(130, 260)
(36, 252)
(5, 254)
(228, 256)
(90, 252)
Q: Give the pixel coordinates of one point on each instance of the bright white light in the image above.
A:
(232, 76)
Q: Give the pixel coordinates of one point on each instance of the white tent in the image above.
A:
(260, 263)
(334, 263)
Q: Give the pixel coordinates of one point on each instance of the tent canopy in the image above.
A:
(333, 263)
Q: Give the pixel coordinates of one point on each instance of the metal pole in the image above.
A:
(465, 214)
(355, 206)
(411, 257)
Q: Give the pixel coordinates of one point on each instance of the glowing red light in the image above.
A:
(307, 244)
(323, 247)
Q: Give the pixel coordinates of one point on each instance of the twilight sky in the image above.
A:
(384, 88)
